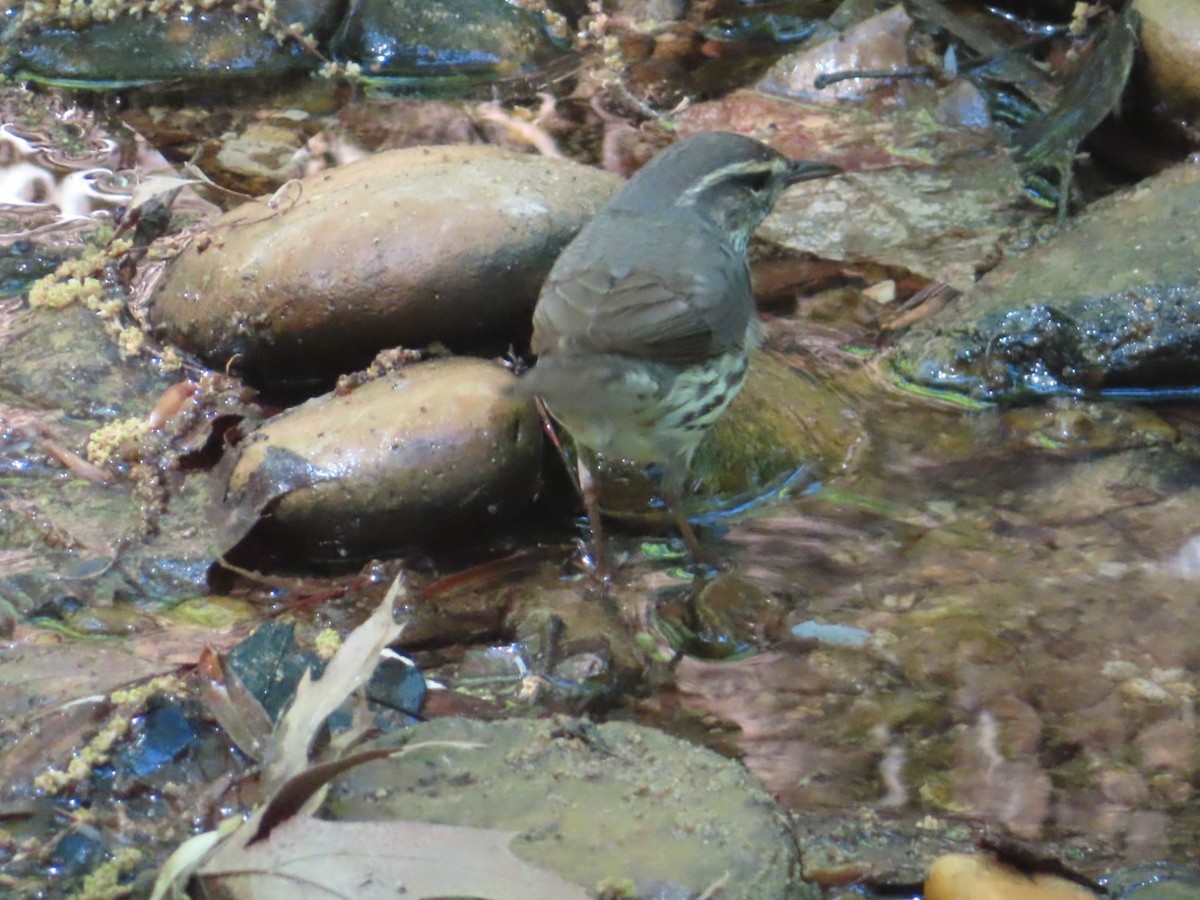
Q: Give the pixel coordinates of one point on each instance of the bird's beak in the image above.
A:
(798, 170)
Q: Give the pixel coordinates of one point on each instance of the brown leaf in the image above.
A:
(236, 710)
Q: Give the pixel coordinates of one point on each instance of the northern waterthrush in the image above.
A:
(643, 325)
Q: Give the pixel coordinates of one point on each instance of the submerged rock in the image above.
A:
(1112, 302)
(1153, 881)
(409, 247)
(597, 804)
(406, 458)
(781, 421)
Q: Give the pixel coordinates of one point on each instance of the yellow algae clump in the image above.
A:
(100, 748)
(327, 643)
(169, 359)
(79, 281)
(52, 293)
(80, 13)
(105, 882)
(108, 441)
(131, 342)
(97, 752)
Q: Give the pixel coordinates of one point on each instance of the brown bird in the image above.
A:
(643, 325)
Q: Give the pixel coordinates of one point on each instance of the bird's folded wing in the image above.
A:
(657, 310)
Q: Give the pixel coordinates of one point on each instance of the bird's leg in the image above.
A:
(552, 436)
(589, 492)
(687, 533)
(674, 490)
(584, 483)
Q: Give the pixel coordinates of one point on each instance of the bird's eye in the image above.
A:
(756, 181)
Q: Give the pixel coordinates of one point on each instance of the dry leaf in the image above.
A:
(157, 186)
(293, 783)
(312, 858)
(236, 710)
(315, 701)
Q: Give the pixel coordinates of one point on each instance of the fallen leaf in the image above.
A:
(307, 857)
(350, 669)
(236, 710)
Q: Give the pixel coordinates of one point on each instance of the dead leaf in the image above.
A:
(177, 870)
(162, 187)
(288, 776)
(312, 858)
(350, 669)
(236, 710)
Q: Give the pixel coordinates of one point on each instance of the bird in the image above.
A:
(643, 324)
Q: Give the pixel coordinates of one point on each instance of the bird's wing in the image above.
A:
(667, 301)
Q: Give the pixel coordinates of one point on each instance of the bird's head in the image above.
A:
(729, 179)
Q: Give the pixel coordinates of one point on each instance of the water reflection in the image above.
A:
(75, 179)
(1032, 654)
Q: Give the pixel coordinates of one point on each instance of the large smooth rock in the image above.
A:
(1170, 38)
(406, 248)
(105, 45)
(959, 876)
(431, 450)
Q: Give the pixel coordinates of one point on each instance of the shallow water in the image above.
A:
(1022, 585)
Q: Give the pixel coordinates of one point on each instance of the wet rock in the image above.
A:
(163, 734)
(65, 359)
(839, 852)
(593, 803)
(959, 876)
(830, 633)
(400, 460)
(67, 519)
(105, 45)
(114, 49)
(541, 642)
(22, 262)
(1170, 38)
(1112, 302)
(781, 421)
(575, 642)
(408, 247)
(114, 620)
(727, 617)
(270, 665)
(77, 853)
(429, 38)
